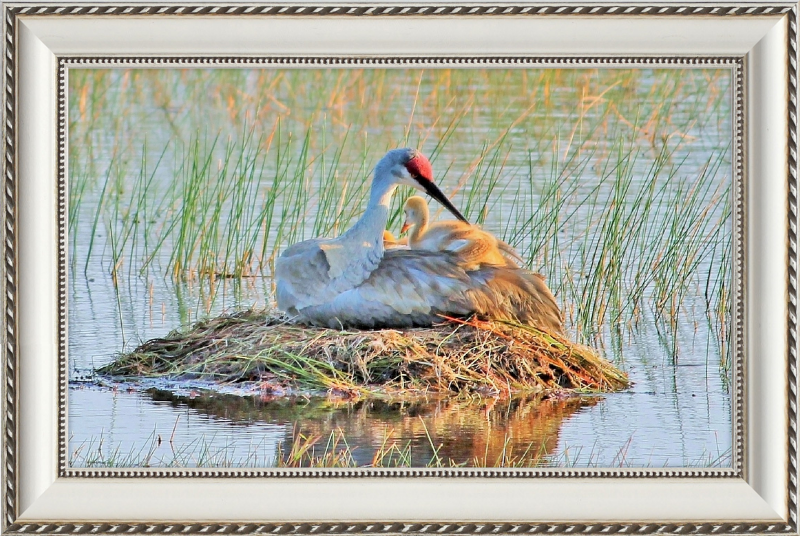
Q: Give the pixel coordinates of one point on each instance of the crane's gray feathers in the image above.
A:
(301, 273)
(414, 288)
(320, 269)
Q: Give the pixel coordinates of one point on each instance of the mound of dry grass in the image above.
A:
(473, 356)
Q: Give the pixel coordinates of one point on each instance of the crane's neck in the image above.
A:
(419, 228)
(368, 230)
(354, 255)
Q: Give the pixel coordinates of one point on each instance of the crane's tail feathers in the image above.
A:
(521, 296)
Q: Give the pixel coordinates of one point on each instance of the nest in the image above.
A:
(457, 356)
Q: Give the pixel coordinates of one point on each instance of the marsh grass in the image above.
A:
(614, 183)
(458, 356)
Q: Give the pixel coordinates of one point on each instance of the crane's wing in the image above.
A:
(316, 271)
(301, 273)
(409, 288)
(413, 288)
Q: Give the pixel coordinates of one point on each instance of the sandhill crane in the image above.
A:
(472, 245)
(352, 281)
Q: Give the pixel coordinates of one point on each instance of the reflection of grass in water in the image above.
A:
(311, 450)
(332, 432)
(374, 432)
(333, 451)
(578, 456)
(197, 452)
(614, 184)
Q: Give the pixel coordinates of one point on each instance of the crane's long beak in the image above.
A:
(432, 190)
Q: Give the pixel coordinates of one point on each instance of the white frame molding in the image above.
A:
(758, 495)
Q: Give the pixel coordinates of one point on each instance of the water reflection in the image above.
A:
(434, 431)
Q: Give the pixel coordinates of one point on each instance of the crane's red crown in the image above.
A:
(419, 166)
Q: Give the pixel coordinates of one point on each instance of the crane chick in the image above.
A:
(472, 245)
(389, 241)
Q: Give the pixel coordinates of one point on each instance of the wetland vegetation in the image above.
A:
(184, 186)
(473, 356)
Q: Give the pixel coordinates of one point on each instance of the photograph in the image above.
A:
(297, 267)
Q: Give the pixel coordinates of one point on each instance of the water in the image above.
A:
(676, 414)
(257, 431)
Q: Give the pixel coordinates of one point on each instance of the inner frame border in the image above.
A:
(735, 67)
(10, 296)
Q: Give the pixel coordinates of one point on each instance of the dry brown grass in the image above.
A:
(459, 356)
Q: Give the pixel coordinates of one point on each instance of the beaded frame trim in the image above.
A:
(10, 243)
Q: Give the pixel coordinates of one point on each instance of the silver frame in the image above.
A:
(748, 196)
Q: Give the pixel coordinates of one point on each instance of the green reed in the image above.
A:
(614, 184)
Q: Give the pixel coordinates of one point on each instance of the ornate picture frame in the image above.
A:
(757, 494)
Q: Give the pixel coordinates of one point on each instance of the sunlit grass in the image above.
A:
(456, 357)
